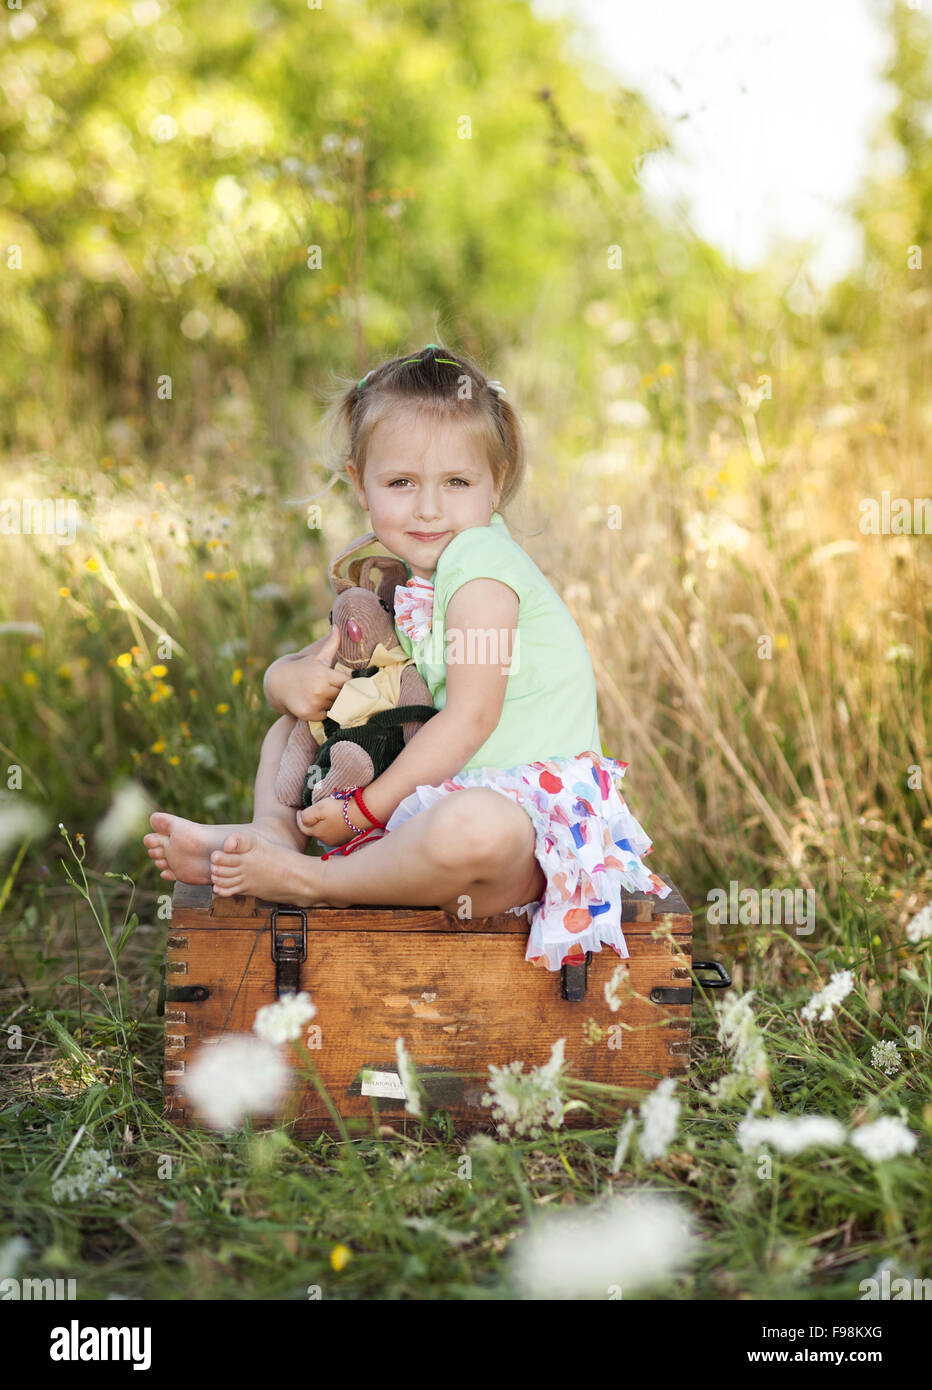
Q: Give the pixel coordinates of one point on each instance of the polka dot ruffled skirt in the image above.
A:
(587, 842)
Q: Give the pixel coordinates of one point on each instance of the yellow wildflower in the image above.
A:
(64, 672)
(339, 1257)
(124, 659)
(159, 671)
(174, 760)
(665, 369)
(213, 543)
(30, 678)
(782, 641)
(222, 708)
(91, 565)
(106, 463)
(228, 574)
(648, 379)
(158, 746)
(189, 477)
(158, 487)
(210, 574)
(237, 676)
(64, 592)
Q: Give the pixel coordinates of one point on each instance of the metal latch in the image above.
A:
(573, 983)
(289, 949)
(661, 994)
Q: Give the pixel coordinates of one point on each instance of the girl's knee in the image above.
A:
(481, 828)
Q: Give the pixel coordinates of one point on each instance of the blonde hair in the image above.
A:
(441, 389)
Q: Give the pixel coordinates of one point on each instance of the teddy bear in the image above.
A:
(379, 709)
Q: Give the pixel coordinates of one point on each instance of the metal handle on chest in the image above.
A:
(665, 995)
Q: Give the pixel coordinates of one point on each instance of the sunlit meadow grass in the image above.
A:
(788, 769)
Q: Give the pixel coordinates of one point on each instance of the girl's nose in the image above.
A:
(353, 631)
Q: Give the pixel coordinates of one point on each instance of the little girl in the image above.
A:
(503, 801)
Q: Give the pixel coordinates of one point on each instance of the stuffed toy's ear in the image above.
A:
(337, 569)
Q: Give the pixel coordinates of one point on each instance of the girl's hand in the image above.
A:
(308, 685)
(325, 821)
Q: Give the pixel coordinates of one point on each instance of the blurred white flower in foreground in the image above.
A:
(885, 1138)
(284, 1020)
(522, 1105)
(409, 1082)
(920, 928)
(234, 1076)
(11, 1254)
(92, 1169)
(790, 1133)
(19, 820)
(623, 1244)
(659, 1113)
(840, 985)
(886, 1056)
(126, 820)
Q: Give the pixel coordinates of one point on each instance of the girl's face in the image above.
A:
(425, 481)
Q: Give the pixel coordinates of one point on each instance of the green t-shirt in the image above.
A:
(550, 698)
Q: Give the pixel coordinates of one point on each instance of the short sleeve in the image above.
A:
(481, 552)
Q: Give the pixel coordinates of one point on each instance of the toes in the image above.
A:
(221, 859)
(166, 873)
(235, 844)
(161, 822)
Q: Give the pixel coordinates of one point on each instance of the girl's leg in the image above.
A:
(181, 848)
(471, 853)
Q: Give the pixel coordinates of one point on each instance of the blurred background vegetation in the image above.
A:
(166, 170)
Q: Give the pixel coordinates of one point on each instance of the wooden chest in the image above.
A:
(460, 994)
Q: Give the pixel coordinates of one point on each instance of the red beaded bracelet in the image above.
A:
(357, 797)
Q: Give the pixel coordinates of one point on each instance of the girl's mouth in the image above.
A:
(427, 535)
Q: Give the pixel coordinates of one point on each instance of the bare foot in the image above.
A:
(181, 848)
(247, 863)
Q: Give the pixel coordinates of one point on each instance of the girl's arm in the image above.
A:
(481, 620)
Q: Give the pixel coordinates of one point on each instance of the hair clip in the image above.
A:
(498, 388)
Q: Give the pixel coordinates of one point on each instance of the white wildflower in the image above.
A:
(886, 1056)
(203, 755)
(409, 1079)
(127, 818)
(10, 1255)
(622, 1244)
(659, 1113)
(624, 1139)
(620, 979)
(268, 591)
(790, 1133)
(738, 1031)
(920, 928)
(522, 1105)
(838, 988)
(885, 1138)
(236, 1075)
(284, 1020)
(93, 1170)
(20, 820)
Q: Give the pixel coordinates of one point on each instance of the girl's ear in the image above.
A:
(353, 475)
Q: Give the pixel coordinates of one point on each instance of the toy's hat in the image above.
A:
(351, 569)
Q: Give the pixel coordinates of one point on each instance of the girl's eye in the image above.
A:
(464, 481)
